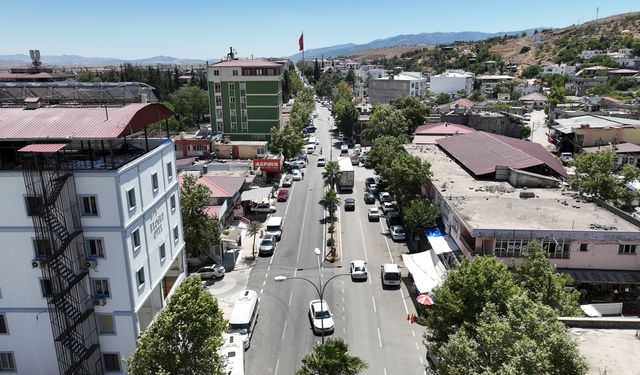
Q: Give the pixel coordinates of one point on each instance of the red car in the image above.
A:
(283, 195)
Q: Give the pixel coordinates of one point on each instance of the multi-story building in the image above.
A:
(245, 98)
(563, 69)
(387, 89)
(451, 82)
(489, 82)
(91, 232)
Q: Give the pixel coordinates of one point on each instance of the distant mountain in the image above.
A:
(407, 40)
(74, 60)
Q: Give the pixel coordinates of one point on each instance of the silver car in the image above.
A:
(397, 233)
(214, 271)
(267, 245)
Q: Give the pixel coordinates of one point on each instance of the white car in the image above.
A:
(311, 149)
(358, 270)
(265, 208)
(397, 233)
(321, 161)
(296, 175)
(388, 207)
(344, 149)
(385, 197)
(321, 317)
(267, 245)
(373, 214)
(214, 271)
(287, 182)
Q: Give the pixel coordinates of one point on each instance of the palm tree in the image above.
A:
(332, 174)
(332, 358)
(254, 230)
(330, 200)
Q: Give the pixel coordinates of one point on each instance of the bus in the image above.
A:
(245, 315)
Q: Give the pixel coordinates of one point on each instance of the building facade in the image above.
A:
(245, 98)
(93, 240)
(451, 82)
(387, 89)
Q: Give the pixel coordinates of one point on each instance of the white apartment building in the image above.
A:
(452, 81)
(91, 232)
(387, 89)
(372, 71)
(489, 82)
(563, 69)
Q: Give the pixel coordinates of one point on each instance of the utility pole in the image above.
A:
(597, 13)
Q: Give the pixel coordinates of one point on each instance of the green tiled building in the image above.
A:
(245, 98)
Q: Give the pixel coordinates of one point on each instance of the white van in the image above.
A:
(313, 141)
(274, 226)
(245, 315)
(232, 353)
(390, 274)
(310, 148)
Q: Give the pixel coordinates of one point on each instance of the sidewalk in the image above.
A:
(228, 289)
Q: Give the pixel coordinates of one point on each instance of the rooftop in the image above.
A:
(568, 125)
(443, 128)
(608, 350)
(493, 77)
(534, 96)
(488, 206)
(619, 148)
(404, 76)
(455, 74)
(247, 64)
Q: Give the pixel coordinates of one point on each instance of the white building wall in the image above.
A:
(451, 83)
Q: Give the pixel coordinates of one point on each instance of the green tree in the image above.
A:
(346, 115)
(556, 95)
(316, 71)
(329, 201)
(351, 78)
(443, 98)
(286, 141)
(386, 121)
(419, 215)
(384, 150)
(413, 110)
(406, 175)
(253, 230)
(531, 71)
(86, 75)
(332, 358)
(331, 174)
(597, 174)
(544, 284)
(184, 337)
(190, 103)
(200, 230)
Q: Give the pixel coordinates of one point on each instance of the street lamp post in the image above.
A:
(320, 288)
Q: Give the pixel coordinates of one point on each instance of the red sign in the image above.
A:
(267, 165)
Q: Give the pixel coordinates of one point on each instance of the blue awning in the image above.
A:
(434, 232)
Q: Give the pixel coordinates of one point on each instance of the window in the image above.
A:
(258, 72)
(101, 288)
(154, 182)
(46, 286)
(218, 101)
(235, 72)
(3, 324)
(106, 325)
(7, 362)
(95, 248)
(234, 126)
(163, 252)
(583, 247)
(131, 198)
(219, 114)
(170, 170)
(232, 86)
(90, 206)
(33, 205)
(135, 237)
(216, 72)
(244, 112)
(111, 360)
(243, 99)
(626, 249)
(243, 85)
(173, 202)
(140, 277)
(219, 126)
(232, 112)
(245, 126)
(176, 234)
(217, 87)
(42, 247)
(232, 99)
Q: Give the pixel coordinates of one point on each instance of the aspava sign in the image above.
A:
(155, 225)
(267, 165)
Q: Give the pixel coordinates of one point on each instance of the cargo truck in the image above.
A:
(346, 178)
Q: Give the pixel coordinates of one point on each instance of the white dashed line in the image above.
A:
(374, 304)
(406, 309)
(421, 361)
(261, 290)
(380, 339)
(385, 371)
(417, 347)
(264, 282)
(386, 242)
(285, 329)
(413, 333)
(275, 372)
(290, 296)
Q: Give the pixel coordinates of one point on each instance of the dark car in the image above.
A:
(369, 198)
(369, 180)
(349, 204)
(283, 195)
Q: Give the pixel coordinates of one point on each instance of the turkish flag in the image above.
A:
(301, 42)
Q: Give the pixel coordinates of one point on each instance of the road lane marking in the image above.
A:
(285, 329)
(380, 339)
(261, 290)
(293, 186)
(271, 261)
(290, 296)
(421, 362)
(366, 258)
(406, 309)
(386, 242)
(374, 304)
(385, 371)
(413, 333)
(304, 218)
(264, 282)
(266, 276)
(275, 372)
(417, 347)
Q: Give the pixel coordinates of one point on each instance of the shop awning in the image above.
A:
(426, 269)
(443, 244)
(256, 195)
(591, 276)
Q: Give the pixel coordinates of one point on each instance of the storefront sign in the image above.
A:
(267, 165)
(155, 226)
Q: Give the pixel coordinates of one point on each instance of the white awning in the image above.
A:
(426, 269)
(443, 244)
(256, 195)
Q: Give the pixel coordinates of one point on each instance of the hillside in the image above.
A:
(387, 52)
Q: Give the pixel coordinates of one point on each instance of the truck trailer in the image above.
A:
(347, 177)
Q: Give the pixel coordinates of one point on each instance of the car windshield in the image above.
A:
(358, 269)
(273, 228)
(239, 328)
(399, 230)
(392, 276)
(267, 242)
(323, 314)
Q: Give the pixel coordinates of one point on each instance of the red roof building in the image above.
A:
(428, 134)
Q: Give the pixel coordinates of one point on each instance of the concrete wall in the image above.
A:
(595, 136)
(495, 123)
(383, 91)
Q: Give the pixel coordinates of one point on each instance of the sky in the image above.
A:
(204, 29)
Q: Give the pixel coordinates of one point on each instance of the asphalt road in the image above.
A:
(370, 319)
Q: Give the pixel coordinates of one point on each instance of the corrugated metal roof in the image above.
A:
(620, 148)
(420, 139)
(78, 122)
(481, 152)
(43, 147)
(567, 125)
(222, 186)
(446, 128)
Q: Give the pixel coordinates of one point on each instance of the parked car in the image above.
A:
(283, 195)
(264, 208)
(373, 188)
(344, 149)
(388, 207)
(321, 161)
(397, 233)
(310, 149)
(369, 180)
(385, 197)
(369, 198)
(296, 175)
(267, 245)
(349, 204)
(358, 270)
(566, 158)
(214, 271)
(373, 214)
(321, 317)
(287, 181)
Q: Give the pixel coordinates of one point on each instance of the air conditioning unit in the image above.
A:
(37, 264)
(99, 301)
(90, 263)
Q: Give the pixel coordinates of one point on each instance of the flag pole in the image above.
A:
(302, 47)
